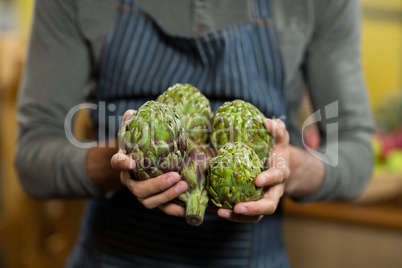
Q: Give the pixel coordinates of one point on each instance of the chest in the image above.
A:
(294, 22)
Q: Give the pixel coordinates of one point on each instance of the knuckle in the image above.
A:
(147, 204)
(282, 177)
(170, 195)
(281, 124)
(282, 174)
(137, 191)
(279, 175)
(287, 174)
(158, 184)
(271, 208)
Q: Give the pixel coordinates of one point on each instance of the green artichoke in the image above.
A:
(239, 120)
(194, 173)
(193, 107)
(232, 174)
(155, 138)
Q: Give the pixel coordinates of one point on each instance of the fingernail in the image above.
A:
(242, 210)
(173, 180)
(180, 188)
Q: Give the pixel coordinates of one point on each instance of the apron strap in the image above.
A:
(262, 9)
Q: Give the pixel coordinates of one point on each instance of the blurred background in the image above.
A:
(366, 232)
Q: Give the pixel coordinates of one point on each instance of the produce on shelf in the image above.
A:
(387, 141)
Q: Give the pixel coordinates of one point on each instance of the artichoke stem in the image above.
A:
(195, 208)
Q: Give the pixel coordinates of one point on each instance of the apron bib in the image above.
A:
(140, 60)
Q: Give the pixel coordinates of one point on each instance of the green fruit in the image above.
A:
(394, 161)
(194, 173)
(241, 121)
(193, 108)
(232, 174)
(155, 138)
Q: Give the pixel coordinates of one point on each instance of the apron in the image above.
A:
(140, 60)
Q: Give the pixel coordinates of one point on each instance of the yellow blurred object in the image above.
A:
(24, 15)
(382, 48)
(386, 4)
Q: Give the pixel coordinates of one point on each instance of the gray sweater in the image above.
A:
(320, 42)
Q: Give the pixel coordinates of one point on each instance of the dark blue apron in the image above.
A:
(140, 60)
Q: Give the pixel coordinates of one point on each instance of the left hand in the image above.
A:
(156, 192)
(273, 180)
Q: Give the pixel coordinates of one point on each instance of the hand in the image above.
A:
(98, 166)
(156, 192)
(273, 180)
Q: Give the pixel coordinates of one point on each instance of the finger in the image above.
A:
(279, 161)
(173, 209)
(121, 161)
(277, 129)
(231, 216)
(144, 189)
(127, 114)
(270, 177)
(164, 197)
(265, 206)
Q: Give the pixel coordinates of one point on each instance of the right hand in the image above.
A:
(156, 192)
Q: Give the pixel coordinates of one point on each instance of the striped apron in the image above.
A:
(140, 60)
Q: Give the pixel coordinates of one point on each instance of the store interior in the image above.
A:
(364, 232)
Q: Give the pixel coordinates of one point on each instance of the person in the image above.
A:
(119, 54)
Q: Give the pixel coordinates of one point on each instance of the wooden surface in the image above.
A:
(313, 242)
(387, 215)
(384, 187)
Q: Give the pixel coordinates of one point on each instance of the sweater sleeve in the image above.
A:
(335, 81)
(57, 70)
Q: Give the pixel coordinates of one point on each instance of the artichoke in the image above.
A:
(194, 173)
(232, 174)
(155, 138)
(241, 121)
(193, 107)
